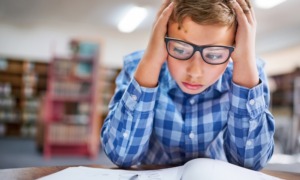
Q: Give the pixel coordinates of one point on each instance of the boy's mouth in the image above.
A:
(192, 86)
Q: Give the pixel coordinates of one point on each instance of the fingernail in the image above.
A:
(232, 1)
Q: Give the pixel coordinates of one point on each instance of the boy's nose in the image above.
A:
(196, 66)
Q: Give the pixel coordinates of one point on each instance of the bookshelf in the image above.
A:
(107, 79)
(22, 83)
(284, 109)
(70, 113)
(283, 95)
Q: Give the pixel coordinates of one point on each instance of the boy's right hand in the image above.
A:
(156, 49)
(155, 55)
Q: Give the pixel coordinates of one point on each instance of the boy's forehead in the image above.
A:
(201, 33)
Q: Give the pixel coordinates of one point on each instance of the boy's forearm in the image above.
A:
(248, 140)
(147, 72)
(243, 150)
(245, 73)
(128, 118)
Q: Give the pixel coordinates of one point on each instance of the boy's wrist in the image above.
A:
(245, 73)
(147, 72)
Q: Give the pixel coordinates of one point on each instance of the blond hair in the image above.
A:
(205, 12)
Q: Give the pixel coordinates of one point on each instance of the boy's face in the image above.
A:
(195, 75)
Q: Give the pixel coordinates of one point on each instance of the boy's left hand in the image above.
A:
(244, 54)
(246, 30)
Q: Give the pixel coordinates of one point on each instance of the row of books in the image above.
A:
(9, 116)
(71, 89)
(5, 89)
(62, 67)
(77, 119)
(7, 102)
(62, 133)
(28, 130)
(32, 104)
(29, 117)
(65, 68)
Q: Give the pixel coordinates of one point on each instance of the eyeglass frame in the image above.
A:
(198, 48)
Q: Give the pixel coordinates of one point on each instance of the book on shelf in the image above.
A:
(196, 169)
(71, 89)
(8, 111)
(83, 70)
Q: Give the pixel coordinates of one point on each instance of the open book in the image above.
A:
(197, 169)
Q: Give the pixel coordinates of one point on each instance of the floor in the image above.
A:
(16, 153)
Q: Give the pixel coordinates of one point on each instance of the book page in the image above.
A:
(197, 169)
(81, 172)
(203, 168)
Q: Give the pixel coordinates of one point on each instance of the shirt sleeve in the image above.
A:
(126, 130)
(248, 139)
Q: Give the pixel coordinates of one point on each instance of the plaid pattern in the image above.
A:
(163, 125)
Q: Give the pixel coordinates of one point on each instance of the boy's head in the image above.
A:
(201, 23)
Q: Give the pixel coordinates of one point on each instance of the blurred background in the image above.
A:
(59, 60)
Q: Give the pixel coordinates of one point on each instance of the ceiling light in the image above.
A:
(132, 19)
(267, 4)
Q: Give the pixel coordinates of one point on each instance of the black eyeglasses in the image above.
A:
(211, 54)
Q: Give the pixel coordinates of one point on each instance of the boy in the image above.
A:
(191, 93)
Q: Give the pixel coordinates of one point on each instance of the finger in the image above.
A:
(247, 9)
(165, 15)
(241, 16)
(253, 14)
(251, 9)
(164, 5)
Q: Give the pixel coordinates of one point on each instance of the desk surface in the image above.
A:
(37, 172)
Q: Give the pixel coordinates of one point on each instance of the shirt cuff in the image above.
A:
(138, 98)
(247, 101)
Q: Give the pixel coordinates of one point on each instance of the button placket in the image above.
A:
(253, 125)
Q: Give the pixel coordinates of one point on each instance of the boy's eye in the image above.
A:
(214, 56)
(178, 50)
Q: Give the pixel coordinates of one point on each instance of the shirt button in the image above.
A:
(125, 135)
(252, 102)
(192, 135)
(134, 97)
(249, 143)
(192, 101)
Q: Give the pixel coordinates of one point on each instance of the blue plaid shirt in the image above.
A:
(164, 125)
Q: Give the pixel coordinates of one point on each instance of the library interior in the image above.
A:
(59, 60)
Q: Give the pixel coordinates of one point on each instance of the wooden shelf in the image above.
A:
(16, 74)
